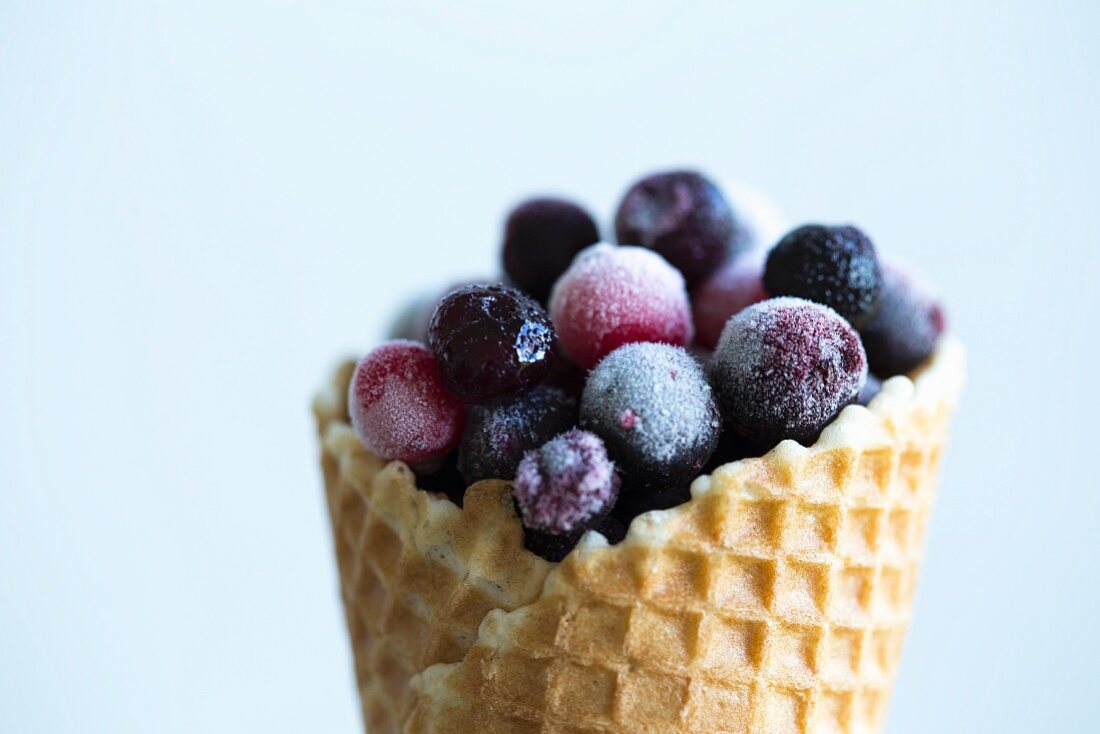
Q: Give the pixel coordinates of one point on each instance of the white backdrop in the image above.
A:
(203, 205)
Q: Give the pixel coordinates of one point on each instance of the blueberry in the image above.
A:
(835, 266)
(904, 328)
(564, 488)
(784, 368)
(493, 343)
(685, 218)
(652, 405)
(541, 237)
(497, 436)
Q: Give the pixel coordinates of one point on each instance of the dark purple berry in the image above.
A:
(651, 403)
(541, 236)
(567, 486)
(493, 343)
(905, 326)
(871, 388)
(684, 217)
(835, 266)
(784, 367)
(497, 436)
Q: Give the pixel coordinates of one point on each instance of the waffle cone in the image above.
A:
(775, 601)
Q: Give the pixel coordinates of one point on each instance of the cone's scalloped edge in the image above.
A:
(936, 383)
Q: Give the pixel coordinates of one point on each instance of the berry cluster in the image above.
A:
(603, 378)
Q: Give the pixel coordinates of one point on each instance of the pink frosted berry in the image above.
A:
(612, 296)
(733, 287)
(566, 486)
(399, 406)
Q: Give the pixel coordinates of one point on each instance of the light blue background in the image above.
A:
(203, 205)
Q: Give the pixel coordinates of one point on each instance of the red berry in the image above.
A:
(399, 407)
(735, 286)
(612, 296)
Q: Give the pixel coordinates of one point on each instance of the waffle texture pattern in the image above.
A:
(775, 601)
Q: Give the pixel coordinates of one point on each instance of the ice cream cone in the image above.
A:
(776, 600)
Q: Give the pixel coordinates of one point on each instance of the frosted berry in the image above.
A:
(736, 285)
(652, 405)
(684, 217)
(498, 436)
(567, 486)
(541, 238)
(399, 407)
(493, 343)
(612, 296)
(784, 367)
(904, 328)
(835, 266)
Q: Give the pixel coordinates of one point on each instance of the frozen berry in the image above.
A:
(835, 266)
(784, 367)
(904, 328)
(566, 486)
(493, 343)
(652, 405)
(541, 238)
(399, 407)
(612, 296)
(684, 217)
(871, 388)
(498, 436)
(736, 285)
